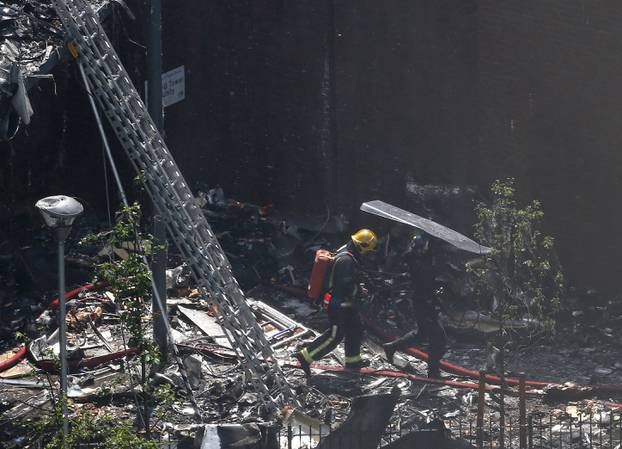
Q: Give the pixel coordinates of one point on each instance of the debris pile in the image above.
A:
(272, 255)
(31, 38)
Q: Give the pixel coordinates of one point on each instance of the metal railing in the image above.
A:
(600, 430)
(553, 430)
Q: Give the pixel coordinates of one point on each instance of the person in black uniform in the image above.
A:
(422, 267)
(345, 322)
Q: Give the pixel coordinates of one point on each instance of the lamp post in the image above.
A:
(59, 213)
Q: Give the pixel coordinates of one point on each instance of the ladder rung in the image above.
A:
(189, 229)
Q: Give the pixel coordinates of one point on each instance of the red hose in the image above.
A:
(21, 353)
(340, 369)
(10, 362)
(393, 373)
(51, 367)
(461, 371)
(86, 287)
(450, 367)
(374, 372)
(450, 383)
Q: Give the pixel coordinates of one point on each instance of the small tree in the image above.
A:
(521, 278)
(129, 279)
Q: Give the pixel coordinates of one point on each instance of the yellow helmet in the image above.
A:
(365, 241)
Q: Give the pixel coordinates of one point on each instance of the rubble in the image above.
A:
(423, 439)
(208, 324)
(473, 320)
(230, 436)
(102, 364)
(31, 45)
(366, 423)
(212, 392)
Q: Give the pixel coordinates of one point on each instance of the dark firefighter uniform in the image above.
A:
(426, 307)
(343, 315)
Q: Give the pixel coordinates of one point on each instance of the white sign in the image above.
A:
(173, 86)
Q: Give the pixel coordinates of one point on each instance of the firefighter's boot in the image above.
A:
(389, 350)
(304, 365)
(434, 371)
(358, 364)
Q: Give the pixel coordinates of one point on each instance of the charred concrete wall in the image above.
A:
(54, 155)
(60, 152)
(320, 102)
(287, 96)
(407, 92)
(312, 103)
(253, 103)
(550, 74)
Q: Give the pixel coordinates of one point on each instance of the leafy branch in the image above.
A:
(521, 278)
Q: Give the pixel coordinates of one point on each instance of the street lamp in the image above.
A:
(59, 213)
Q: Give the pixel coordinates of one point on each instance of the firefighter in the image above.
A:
(345, 322)
(426, 306)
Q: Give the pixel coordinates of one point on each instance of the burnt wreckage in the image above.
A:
(31, 47)
(233, 369)
(252, 236)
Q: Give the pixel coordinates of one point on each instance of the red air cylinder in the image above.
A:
(326, 302)
(317, 280)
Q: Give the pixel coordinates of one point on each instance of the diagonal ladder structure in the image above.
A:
(173, 200)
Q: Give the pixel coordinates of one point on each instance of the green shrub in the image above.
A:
(88, 429)
(521, 278)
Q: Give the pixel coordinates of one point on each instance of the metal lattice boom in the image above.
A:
(186, 224)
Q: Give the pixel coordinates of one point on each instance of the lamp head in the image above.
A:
(59, 211)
